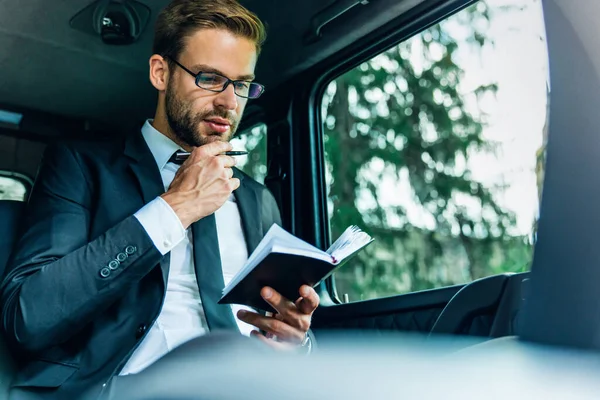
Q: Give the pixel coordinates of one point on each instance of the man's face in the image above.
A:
(198, 116)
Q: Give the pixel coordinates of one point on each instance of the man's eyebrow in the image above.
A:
(205, 68)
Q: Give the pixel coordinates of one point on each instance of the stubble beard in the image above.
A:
(186, 125)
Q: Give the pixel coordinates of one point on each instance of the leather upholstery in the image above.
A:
(479, 325)
(416, 321)
(478, 298)
(10, 213)
(506, 318)
(487, 307)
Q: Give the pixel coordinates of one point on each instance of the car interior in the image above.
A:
(68, 74)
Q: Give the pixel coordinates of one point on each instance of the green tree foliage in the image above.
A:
(402, 115)
(255, 142)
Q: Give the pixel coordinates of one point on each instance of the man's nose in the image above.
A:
(227, 99)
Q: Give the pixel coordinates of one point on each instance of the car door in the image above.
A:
(431, 138)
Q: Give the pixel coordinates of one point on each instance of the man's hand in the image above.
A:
(291, 322)
(203, 183)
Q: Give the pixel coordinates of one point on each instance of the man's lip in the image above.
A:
(220, 121)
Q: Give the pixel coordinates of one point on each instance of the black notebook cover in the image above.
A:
(285, 273)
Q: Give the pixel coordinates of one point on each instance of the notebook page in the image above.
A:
(348, 243)
(317, 255)
(284, 238)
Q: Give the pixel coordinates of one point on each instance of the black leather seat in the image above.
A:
(506, 318)
(487, 307)
(10, 215)
(471, 310)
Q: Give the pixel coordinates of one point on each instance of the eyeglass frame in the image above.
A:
(225, 85)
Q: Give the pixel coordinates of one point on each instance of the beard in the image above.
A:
(186, 124)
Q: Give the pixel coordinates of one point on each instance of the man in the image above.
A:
(124, 252)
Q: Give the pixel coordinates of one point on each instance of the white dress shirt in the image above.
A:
(182, 316)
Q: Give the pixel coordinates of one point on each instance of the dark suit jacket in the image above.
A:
(72, 327)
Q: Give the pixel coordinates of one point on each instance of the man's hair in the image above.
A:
(182, 18)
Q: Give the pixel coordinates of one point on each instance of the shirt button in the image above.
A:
(105, 272)
(167, 243)
(121, 257)
(140, 331)
(114, 264)
(130, 250)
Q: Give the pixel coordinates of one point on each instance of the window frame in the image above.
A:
(25, 180)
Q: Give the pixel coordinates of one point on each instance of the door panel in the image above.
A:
(487, 307)
(413, 312)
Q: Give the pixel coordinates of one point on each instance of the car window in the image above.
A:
(254, 141)
(12, 188)
(436, 148)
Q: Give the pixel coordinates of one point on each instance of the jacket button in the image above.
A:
(114, 264)
(140, 331)
(121, 257)
(130, 250)
(105, 272)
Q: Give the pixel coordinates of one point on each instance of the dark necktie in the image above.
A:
(178, 157)
(209, 272)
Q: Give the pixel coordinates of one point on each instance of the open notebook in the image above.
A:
(285, 262)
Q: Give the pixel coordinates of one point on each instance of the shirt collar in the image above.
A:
(161, 147)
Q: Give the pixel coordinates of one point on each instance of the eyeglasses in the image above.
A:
(218, 83)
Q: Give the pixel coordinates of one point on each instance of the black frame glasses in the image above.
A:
(245, 89)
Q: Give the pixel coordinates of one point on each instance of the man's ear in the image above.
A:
(159, 72)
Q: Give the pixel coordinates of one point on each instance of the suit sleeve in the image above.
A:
(58, 279)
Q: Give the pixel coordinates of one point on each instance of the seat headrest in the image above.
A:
(10, 216)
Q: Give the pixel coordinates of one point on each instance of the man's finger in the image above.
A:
(282, 305)
(234, 183)
(310, 300)
(281, 329)
(211, 149)
(227, 161)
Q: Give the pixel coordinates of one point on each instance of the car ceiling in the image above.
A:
(49, 66)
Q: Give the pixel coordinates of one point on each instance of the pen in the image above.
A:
(184, 155)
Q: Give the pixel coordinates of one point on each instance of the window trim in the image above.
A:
(405, 27)
(25, 180)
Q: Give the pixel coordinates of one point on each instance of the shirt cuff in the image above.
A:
(161, 224)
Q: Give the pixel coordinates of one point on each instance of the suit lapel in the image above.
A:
(249, 207)
(147, 176)
(250, 214)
